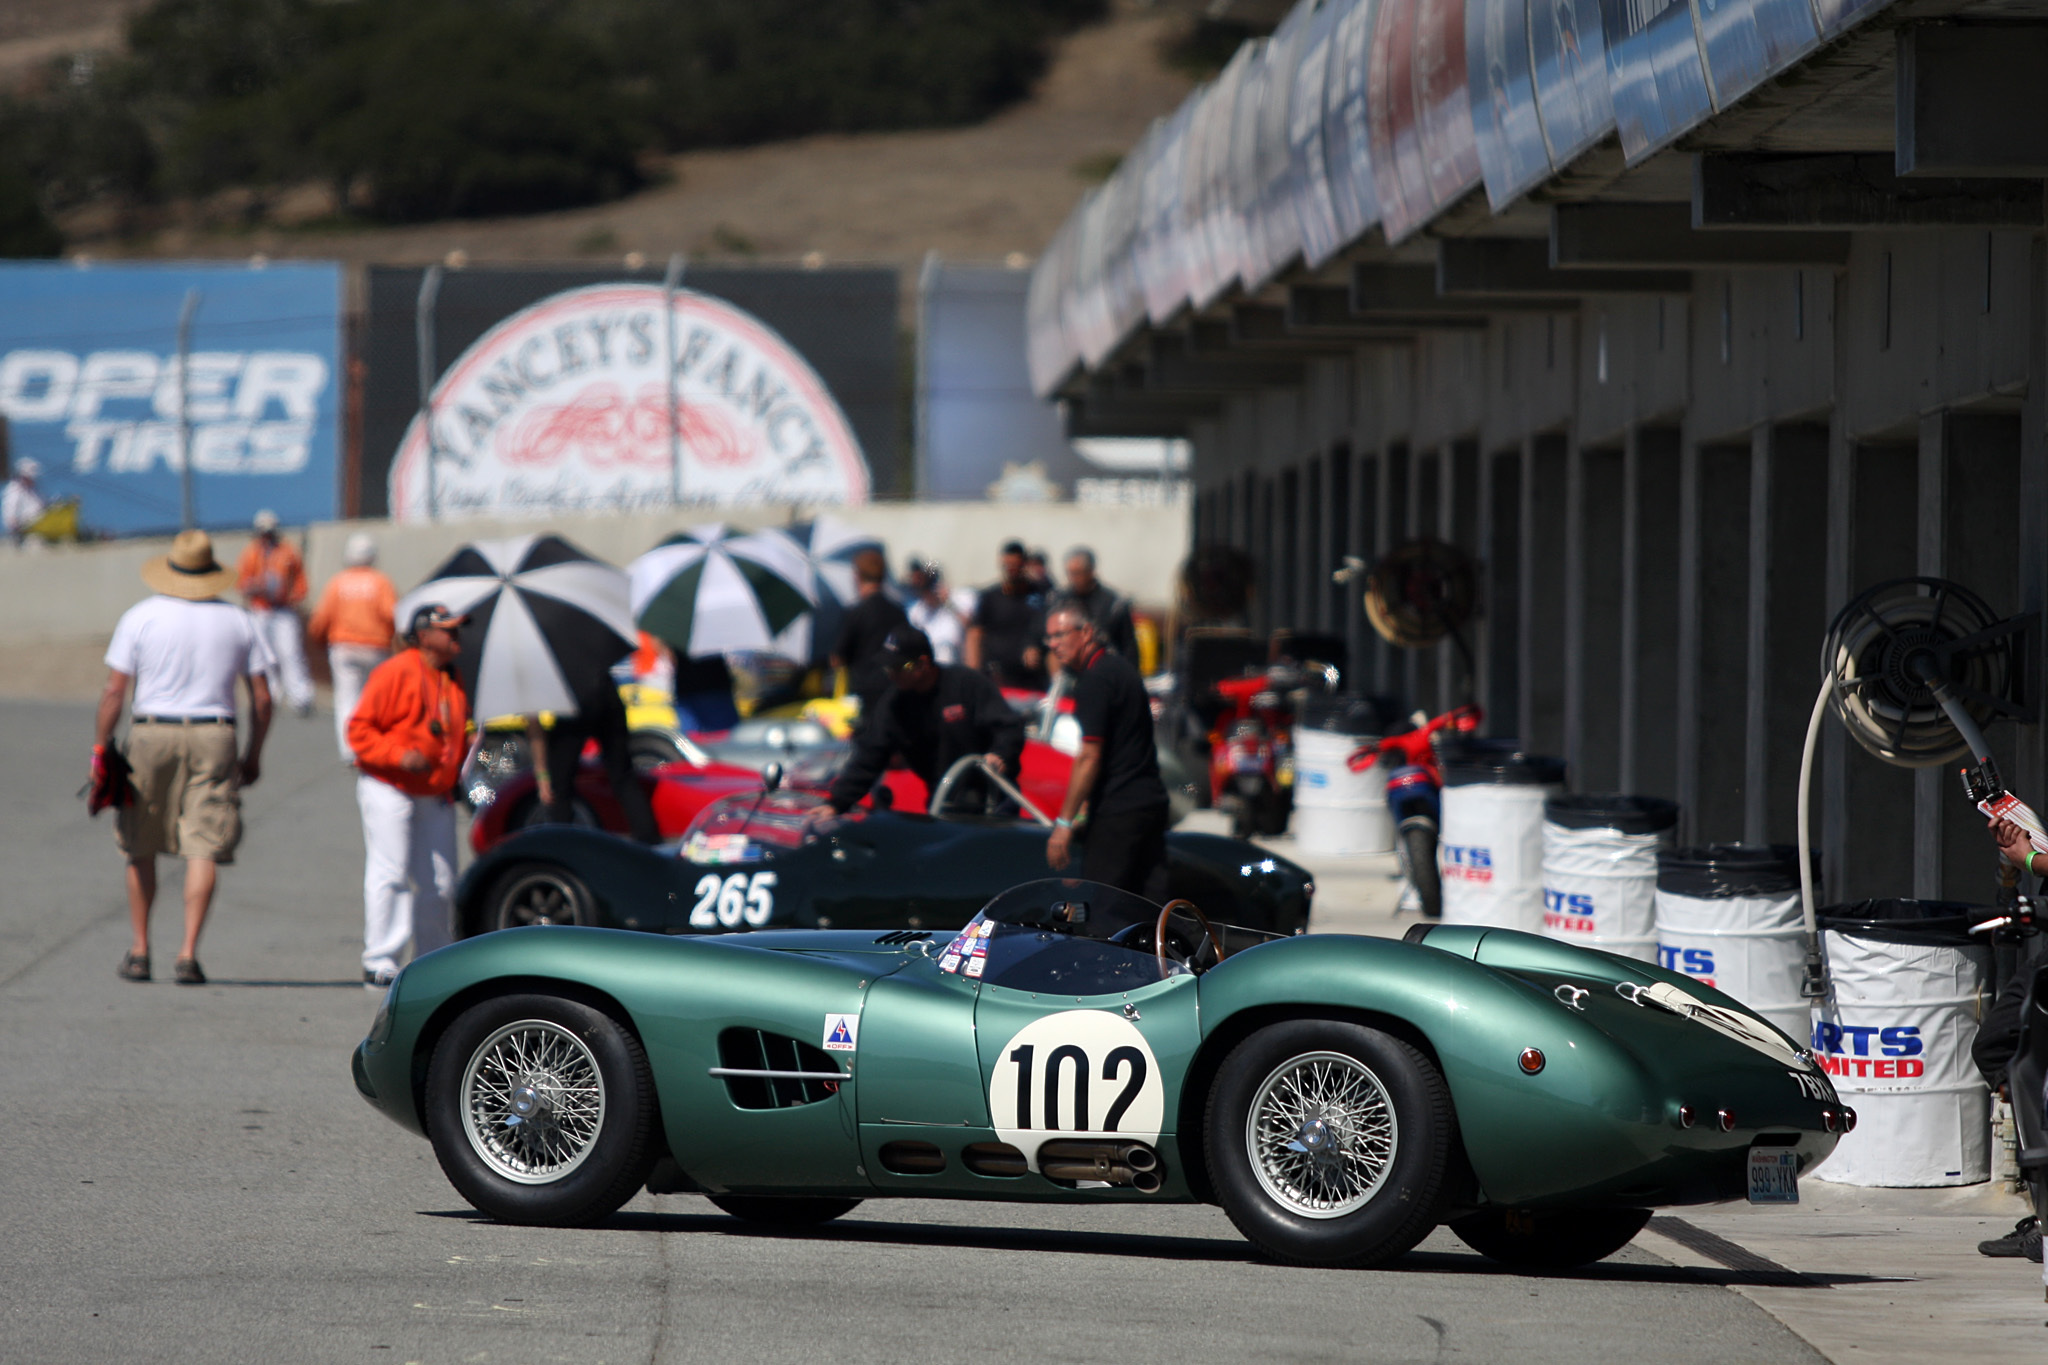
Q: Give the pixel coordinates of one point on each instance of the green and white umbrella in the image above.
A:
(711, 591)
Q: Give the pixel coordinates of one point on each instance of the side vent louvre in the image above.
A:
(896, 938)
(747, 1049)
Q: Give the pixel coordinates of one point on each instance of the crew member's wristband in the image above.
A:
(2031, 855)
(1063, 823)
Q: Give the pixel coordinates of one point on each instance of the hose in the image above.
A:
(1814, 986)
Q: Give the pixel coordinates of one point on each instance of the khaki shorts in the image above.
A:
(188, 793)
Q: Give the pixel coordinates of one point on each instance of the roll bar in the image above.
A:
(967, 763)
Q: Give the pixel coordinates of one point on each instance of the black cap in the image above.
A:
(433, 614)
(905, 645)
(1013, 547)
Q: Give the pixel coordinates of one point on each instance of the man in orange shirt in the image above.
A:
(354, 622)
(272, 581)
(410, 736)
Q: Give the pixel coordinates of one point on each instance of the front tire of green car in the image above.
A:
(541, 1110)
(1328, 1142)
(1555, 1239)
(800, 1211)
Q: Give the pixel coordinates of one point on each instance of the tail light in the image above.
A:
(1726, 1118)
(1686, 1117)
(1828, 1120)
(1848, 1120)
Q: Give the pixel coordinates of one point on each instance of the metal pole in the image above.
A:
(423, 342)
(669, 283)
(188, 514)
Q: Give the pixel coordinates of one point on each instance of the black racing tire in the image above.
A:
(582, 1150)
(1555, 1239)
(1333, 1067)
(538, 893)
(649, 749)
(1418, 847)
(785, 1212)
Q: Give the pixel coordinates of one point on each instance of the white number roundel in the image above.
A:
(1078, 1073)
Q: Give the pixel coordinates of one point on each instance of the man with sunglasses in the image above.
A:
(932, 715)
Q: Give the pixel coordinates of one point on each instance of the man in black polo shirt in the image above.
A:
(1116, 777)
(858, 649)
(1004, 638)
(931, 717)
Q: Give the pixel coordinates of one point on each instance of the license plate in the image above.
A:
(1773, 1175)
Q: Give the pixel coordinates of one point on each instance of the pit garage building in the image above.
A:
(1688, 318)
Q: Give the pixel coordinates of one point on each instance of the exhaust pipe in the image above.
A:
(1113, 1163)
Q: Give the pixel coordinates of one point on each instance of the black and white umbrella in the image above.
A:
(828, 547)
(546, 622)
(710, 590)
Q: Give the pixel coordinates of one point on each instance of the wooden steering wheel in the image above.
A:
(1159, 934)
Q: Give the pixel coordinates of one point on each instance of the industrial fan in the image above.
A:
(1915, 669)
(1419, 592)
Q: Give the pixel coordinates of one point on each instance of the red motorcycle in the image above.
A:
(1414, 778)
(1251, 752)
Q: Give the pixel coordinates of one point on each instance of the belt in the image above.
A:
(184, 720)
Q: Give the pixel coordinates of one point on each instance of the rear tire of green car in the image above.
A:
(1556, 1239)
(1329, 1142)
(541, 1110)
(800, 1212)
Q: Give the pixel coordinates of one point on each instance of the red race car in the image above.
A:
(679, 791)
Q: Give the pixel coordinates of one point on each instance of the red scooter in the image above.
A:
(1251, 752)
(1414, 778)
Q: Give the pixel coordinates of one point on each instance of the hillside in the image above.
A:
(981, 192)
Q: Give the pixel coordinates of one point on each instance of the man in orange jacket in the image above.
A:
(272, 581)
(410, 735)
(354, 622)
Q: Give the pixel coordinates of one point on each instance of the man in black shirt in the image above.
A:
(1005, 639)
(1109, 609)
(1116, 778)
(859, 647)
(934, 715)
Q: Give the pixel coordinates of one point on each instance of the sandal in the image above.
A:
(134, 966)
(187, 969)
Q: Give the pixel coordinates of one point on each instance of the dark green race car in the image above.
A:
(756, 860)
(1339, 1097)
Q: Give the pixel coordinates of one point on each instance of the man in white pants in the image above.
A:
(272, 581)
(409, 733)
(354, 621)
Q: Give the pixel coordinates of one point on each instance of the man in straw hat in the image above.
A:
(183, 650)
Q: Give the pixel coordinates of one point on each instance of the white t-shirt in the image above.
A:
(20, 505)
(185, 657)
(943, 626)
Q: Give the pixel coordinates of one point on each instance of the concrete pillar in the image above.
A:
(1426, 519)
(1400, 672)
(1649, 707)
(1593, 578)
(1929, 784)
(1341, 514)
(1543, 594)
(1719, 648)
(1788, 599)
(2029, 771)
(1460, 523)
(1367, 648)
(1500, 623)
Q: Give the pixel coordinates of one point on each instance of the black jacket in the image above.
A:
(964, 713)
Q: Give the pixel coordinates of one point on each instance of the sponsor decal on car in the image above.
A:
(842, 1032)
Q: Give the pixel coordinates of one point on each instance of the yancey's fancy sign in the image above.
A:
(565, 406)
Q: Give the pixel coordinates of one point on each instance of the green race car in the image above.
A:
(1338, 1096)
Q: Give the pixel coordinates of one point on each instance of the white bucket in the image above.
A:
(1750, 947)
(1337, 811)
(1600, 881)
(1490, 855)
(1895, 1035)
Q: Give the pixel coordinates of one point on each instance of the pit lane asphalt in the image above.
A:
(187, 1174)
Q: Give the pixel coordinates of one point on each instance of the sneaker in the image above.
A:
(378, 980)
(134, 967)
(187, 972)
(2023, 1240)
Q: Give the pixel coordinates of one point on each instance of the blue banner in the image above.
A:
(1654, 72)
(1747, 40)
(1568, 54)
(1512, 155)
(91, 389)
(1346, 136)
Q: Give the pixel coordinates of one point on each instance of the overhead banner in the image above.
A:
(1347, 130)
(1397, 171)
(1747, 40)
(1308, 180)
(564, 406)
(92, 390)
(1654, 72)
(1568, 59)
(1450, 159)
(1509, 134)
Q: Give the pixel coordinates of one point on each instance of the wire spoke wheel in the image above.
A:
(532, 1101)
(1321, 1134)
